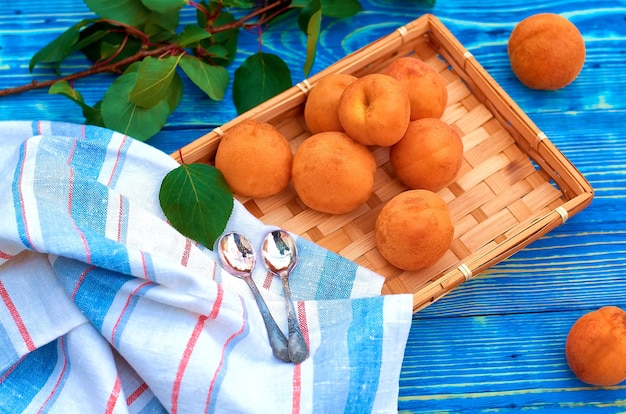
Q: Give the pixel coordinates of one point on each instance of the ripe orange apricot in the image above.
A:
(546, 51)
(332, 173)
(255, 159)
(414, 229)
(596, 346)
(428, 156)
(427, 89)
(375, 110)
(320, 108)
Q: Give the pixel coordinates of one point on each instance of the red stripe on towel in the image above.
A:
(136, 394)
(297, 372)
(80, 280)
(114, 396)
(185, 259)
(120, 219)
(17, 318)
(69, 159)
(185, 361)
(117, 160)
(218, 302)
(70, 197)
(10, 370)
(219, 366)
(269, 277)
(59, 380)
(125, 308)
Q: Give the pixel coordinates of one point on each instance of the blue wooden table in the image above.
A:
(496, 343)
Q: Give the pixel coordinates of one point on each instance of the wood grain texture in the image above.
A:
(495, 343)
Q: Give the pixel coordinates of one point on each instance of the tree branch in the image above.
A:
(277, 8)
(93, 70)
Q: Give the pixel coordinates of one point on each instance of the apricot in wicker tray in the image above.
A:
(429, 156)
(320, 108)
(332, 173)
(375, 110)
(255, 159)
(426, 87)
(414, 229)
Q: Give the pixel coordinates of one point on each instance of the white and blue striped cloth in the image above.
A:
(105, 308)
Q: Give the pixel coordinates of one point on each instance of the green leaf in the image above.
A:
(260, 77)
(124, 116)
(129, 12)
(197, 202)
(63, 88)
(227, 39)
(340, 9)
(212, 80)
(164, 6)
(161, 27)
(217, 53)
(101, 41)
(154, 77)
(175, 93)
(310, 21)
(94, 117)
(191, 35)
(57, 50)
(240, 4)
(88, 37)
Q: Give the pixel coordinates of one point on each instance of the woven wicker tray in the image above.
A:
(514, 185)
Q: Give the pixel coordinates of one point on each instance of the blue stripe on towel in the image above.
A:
(92, 289)
(8, 356)
(127, 312)
(328, 392)
(22, 225)
(365, 341)
(27, 378)
(364, 348)
(326, 275)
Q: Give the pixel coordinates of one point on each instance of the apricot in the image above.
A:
(255, 159)
(375, 110)
(414, 229)
(429, 155)
(320, 109)
(595, 348)
(546, 51)
(427, 89)
(332, 173)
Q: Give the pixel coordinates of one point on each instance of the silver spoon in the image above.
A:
(280, 255)
(238, 257)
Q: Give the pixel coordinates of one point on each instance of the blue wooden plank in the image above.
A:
(525, 366)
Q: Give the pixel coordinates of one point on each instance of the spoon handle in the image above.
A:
(298, 348)
(278, 341)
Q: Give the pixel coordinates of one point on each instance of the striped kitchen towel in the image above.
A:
(106, 308)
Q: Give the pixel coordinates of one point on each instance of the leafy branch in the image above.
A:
(142, 43)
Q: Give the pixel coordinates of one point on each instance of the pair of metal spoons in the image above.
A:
(279, 254)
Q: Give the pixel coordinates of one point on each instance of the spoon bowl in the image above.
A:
(280, 256)
(238, 258)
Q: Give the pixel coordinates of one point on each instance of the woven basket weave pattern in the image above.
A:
(513, 187)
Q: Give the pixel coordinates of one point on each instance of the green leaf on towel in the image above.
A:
(197, 202)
